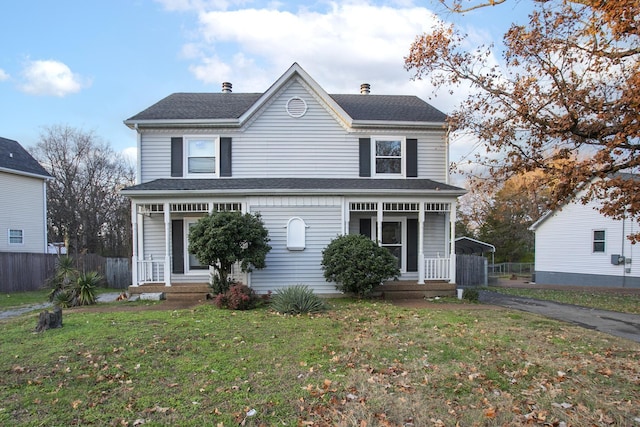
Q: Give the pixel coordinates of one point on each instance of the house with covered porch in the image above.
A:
(314, 165)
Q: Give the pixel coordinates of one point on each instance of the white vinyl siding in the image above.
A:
(564, 243)
(274, 144)
(22, 207)
(284, 267)
(154, 239)
(155, 156)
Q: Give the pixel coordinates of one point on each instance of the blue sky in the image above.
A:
(91, 64)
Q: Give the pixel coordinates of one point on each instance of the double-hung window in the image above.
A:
(388, 156)
(598, 241)
(201, 155)
(16, 237)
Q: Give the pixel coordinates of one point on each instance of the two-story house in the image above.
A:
(313, 164)
(23, 200)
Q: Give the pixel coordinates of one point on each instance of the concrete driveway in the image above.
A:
(618, 324)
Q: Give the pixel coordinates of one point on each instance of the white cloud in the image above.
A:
(3, 75)
(130, 154)
(341, 47)
(50, 77)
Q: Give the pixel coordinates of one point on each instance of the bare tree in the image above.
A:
(85, 209)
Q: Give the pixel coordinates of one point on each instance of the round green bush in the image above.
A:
(296, 299)
(357, 264)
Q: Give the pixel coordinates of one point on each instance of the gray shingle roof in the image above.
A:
(212, 106)
(14, 157)
(185, 106)
(259, 185)
(388, 107)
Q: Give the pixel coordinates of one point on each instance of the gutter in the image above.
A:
(291, 192)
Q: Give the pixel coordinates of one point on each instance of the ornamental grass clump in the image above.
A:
(297, 299)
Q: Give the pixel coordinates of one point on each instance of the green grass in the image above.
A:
(21, 299)
(359, 363)
(625, 302)
(18, 299)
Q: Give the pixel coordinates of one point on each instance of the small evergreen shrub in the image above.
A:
(357, 264)
(471, 294)
(296, 300)
(238, 297)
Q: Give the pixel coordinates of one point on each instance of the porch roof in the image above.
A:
(246, 186)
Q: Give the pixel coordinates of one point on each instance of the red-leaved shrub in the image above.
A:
(238, 297)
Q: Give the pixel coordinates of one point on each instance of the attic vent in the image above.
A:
(296, 107)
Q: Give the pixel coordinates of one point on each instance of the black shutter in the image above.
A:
(177, 245)
(176, 156)
(365, 227)
(225, 156)
(412, 158)
(365, 156)
(412, 244)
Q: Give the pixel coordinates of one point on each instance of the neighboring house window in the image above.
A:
(16, 237)
(388, 156)
(201, 155)
(598, 240)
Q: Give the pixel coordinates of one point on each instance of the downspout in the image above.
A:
(138, 155)
(624, 266)
(447, 166)
(44, 193)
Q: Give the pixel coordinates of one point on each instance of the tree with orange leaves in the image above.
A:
(565, 99)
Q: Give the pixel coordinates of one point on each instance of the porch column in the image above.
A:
(134, 244)
(421, 244)
(380, 217)
(167, 244)
(346, 216)
(452, 243)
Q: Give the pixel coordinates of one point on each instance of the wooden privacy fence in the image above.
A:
(20, 272)
(471, 270)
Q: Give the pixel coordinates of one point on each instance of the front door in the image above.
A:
(393, 239)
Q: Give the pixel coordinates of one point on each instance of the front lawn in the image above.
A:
(362, 363)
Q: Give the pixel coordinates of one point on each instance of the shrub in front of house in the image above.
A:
(297, 299)
(357, 264)
(238, 297)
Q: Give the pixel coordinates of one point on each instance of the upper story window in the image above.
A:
(598, 240)
(16, 237)
(201, 155)
(388, 156)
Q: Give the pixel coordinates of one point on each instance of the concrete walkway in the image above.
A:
(15, 312)
(618, 324)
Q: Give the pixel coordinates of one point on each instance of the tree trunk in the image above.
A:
(47, 320)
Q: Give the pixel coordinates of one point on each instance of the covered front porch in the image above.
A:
(417, 231)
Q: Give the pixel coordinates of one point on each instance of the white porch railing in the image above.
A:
(437, 268)
(150, 271)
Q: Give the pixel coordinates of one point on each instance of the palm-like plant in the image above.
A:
(84, 289)
(69, 287)
(65, 274)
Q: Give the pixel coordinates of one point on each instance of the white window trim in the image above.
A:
(403, 221)
(21, 236)
(593, 241)
(188, 271)
(185, 151)
(403, 161)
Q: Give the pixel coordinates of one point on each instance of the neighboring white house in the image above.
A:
(23, 200)
(314, 165)
(577, 245)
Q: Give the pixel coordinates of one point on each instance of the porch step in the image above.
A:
(405, 289)
(178, 291)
